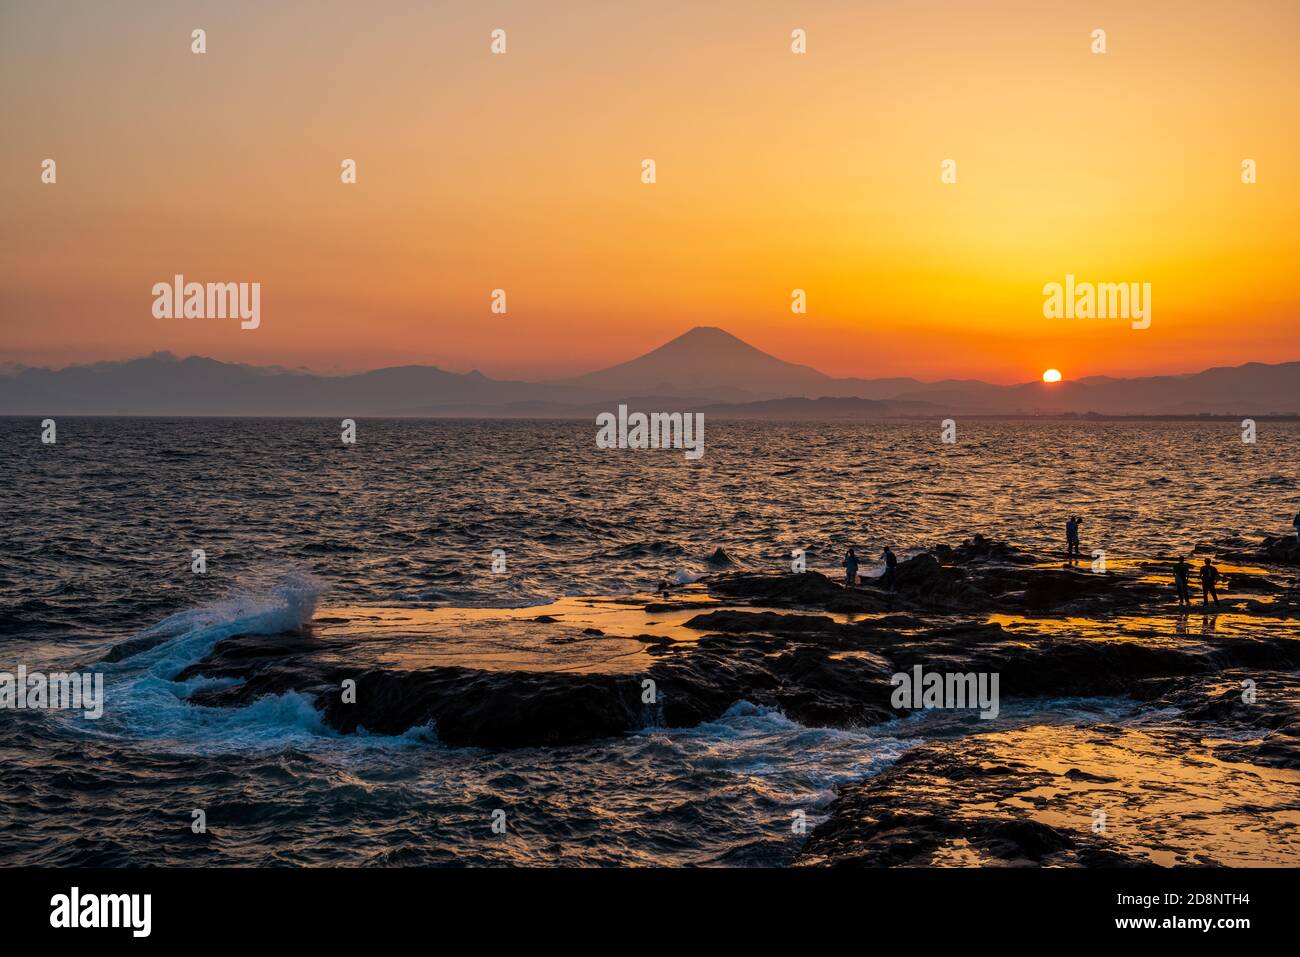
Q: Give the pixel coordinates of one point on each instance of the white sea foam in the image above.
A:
(143, 699)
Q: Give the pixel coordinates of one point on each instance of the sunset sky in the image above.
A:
(775, 171)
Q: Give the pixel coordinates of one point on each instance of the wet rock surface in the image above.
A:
(821, 665)
(1089, 796)
(911, 815)
(824, 655)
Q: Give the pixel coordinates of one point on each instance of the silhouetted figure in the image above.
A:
(1181, 570)
(663, 587)
(1296, 522)
(1209, 578)
(850, 569)
(1072, 537)
(891, 567)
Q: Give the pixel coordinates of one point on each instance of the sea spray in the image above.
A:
(149, 702)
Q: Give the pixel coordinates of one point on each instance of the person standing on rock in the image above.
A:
(1072, 537)
(850, 569)
(891, 567)
(1209, 578)
(1181, 570)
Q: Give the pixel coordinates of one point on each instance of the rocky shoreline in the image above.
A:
(1154, 792)
(825, 655)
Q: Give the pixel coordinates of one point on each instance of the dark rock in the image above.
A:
(1282, 549)
(1051, 588)
(749, 621)
(720, 559)
(1074, 774)
(490, 709)
(1241, 581)
(930, 584)
(808, 590)
(1273, 550)
(980, 549)
(982, 576)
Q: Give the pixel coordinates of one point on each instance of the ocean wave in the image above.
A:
(265, 604)
(142, 699)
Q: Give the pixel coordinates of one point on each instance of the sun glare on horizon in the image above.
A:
(1052, 375)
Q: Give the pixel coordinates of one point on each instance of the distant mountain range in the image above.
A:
(704, 370)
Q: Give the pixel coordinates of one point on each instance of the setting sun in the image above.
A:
(1052, 375)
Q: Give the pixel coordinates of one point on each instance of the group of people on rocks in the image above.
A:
(1209, 579)
(851, 566)
(1208, 573)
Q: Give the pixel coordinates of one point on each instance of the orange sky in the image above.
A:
(775, 171)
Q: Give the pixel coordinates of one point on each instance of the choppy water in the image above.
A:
(99, 530)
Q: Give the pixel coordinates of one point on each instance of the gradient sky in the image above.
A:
(775, 171)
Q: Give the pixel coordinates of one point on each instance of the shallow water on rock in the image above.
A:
(1160, 801)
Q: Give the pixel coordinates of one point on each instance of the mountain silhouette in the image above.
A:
(729, 369)
(707, 356)
(704, 369)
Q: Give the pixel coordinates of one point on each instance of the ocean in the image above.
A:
(99, 547)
